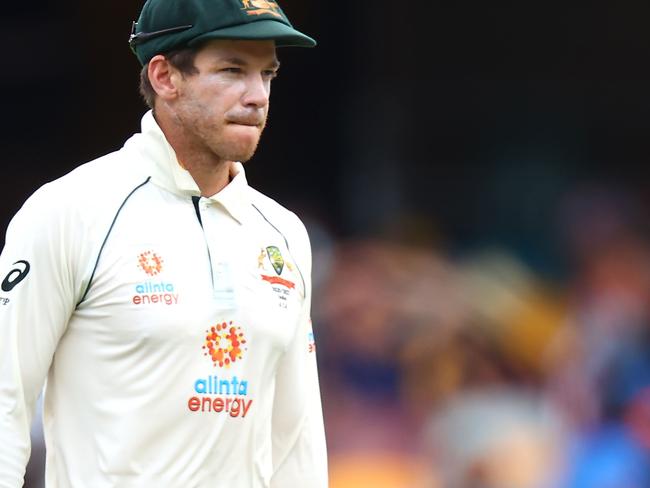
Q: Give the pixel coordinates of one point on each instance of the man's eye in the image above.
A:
(232, 70)
(270, 74)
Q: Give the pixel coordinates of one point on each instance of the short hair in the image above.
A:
(181, 59)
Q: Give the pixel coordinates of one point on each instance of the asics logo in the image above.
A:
(15, 276)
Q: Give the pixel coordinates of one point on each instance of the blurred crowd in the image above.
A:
(471, 370)
(449, 370)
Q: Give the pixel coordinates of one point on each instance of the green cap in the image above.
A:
(165, 25)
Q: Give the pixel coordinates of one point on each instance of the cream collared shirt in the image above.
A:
(172, 331)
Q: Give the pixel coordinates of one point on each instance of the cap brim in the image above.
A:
(282, 34)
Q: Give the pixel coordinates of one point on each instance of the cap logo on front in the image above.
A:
(261, 7)
(165, 25)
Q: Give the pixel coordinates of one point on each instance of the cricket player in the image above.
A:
(163, 302)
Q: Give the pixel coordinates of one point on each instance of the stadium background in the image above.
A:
(474, 182)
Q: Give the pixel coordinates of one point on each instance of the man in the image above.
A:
(165, 301)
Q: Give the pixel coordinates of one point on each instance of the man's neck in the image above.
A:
(210, 173)
(210, 176)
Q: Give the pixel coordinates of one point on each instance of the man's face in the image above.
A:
(223, 108)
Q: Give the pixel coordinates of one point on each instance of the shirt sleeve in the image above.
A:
(36, 300)
(299, 448)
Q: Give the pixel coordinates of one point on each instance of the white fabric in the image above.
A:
(134, 397)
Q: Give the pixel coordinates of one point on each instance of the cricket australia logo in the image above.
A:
(278, 264)
(281, 286)
(275, 256)
(261, 7)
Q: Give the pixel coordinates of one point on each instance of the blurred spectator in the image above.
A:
(380, 296)
(496, 438)
(380, 470)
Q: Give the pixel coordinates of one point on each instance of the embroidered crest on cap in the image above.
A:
(261, 7)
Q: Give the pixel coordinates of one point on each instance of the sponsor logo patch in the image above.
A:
(16, 275)
(281, 286)
(150, 263)
(216, 394)
(275, 256)
(224, 345)
(153, 291)
(311, 341)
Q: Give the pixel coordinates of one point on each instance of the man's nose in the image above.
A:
(258, 91)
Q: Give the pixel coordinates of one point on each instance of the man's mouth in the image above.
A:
(246, 122)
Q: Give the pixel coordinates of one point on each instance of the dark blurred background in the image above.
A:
(474, 182)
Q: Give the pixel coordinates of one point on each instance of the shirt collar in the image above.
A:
(166, 171)
(235, 196)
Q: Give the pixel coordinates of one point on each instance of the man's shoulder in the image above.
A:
(96, 179)
(101, 176)
(271, 210)
(87, 189)
(289, 225)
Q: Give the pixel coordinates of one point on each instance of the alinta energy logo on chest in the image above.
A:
(153, 292)
(261, 7)
(224, 345)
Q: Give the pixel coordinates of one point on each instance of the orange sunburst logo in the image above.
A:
(150, 263)
(224, 344)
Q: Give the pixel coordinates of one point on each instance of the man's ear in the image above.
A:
(164, 78)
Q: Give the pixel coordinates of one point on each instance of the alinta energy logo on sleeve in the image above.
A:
(224, 345)
(311, 342)
(153, 291)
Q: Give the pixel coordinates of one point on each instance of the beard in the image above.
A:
(232, 142)
(232, 137)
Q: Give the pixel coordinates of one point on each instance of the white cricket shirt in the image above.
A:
(173, 331)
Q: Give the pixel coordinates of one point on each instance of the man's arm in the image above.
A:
(36, 300)
(299, 449)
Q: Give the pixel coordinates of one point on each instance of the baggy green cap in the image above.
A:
(165, 25)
